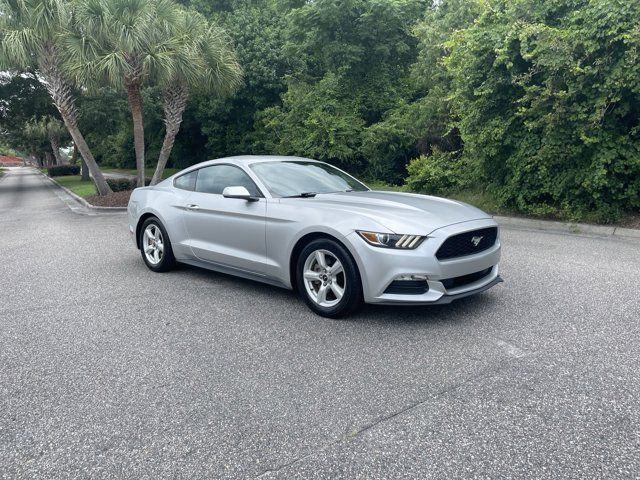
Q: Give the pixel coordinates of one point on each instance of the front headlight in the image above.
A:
(392, 240)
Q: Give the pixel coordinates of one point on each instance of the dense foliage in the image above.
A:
(537, 102)
(548, 99)
(22, 99)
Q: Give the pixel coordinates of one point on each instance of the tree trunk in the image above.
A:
(135, 104)
(101, 183)
(175, 100)
(55, 147)
(74, 155)
(48, 158)
(64, 100)
(84, 171)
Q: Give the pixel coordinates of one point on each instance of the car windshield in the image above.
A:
(299, 178)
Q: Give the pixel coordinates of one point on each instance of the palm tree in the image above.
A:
(125, 43)
(202, 59)
(30, 32)
(56, 132)
(44, 137)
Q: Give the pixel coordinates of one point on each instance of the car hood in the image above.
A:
(408, 213)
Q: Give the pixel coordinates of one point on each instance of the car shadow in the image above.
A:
(211, 276)
(459, 311)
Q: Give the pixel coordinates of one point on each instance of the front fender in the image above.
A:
(287, 226)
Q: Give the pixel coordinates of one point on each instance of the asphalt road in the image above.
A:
(108, 370)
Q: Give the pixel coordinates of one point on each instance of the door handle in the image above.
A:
(193, 206)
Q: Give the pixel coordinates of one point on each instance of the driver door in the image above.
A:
(226, 231)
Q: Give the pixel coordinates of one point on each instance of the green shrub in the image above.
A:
(121, 184)
(438, 173)
(124, 184)
(63, 170)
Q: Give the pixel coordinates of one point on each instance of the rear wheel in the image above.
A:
(155, 246)
(328, 279)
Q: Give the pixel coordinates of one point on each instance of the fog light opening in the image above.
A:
(408, 284)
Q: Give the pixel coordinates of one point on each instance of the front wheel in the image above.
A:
(155, 246)
(328, 279)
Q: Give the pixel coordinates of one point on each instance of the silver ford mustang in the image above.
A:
(305, 225)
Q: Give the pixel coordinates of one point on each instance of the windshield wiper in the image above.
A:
(302, 195)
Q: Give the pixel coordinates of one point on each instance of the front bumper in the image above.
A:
(445, 298)
(379, 267)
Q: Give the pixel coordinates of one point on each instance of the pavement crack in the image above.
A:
(294, 461)
(486, 373)
(483, 374)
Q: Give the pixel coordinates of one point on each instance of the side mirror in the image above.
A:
(238, 192)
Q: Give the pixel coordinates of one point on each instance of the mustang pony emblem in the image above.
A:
(476, 240)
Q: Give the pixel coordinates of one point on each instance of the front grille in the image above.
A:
(463, 280)
(408, 287)
(467, 243)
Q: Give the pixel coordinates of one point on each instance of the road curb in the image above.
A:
(627, 232)
(81, 200)
(567, 227)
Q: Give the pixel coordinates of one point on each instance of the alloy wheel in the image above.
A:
(324, 278)
(153, 244)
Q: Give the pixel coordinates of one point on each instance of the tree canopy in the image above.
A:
(536, 102)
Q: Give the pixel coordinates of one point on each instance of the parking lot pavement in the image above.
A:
(108, 370)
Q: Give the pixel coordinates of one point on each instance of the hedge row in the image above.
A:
(124, 184)
(63, 170)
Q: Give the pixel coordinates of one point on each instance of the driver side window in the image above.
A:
(216, 178)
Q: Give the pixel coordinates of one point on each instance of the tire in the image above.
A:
(160, 256)
(332, 290)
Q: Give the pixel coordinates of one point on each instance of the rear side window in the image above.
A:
(186, 181)
(216, 178)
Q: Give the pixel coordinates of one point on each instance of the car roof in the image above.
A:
(249, 159)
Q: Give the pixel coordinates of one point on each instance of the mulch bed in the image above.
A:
(10, 161)
(631, 221)
(115, 199)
